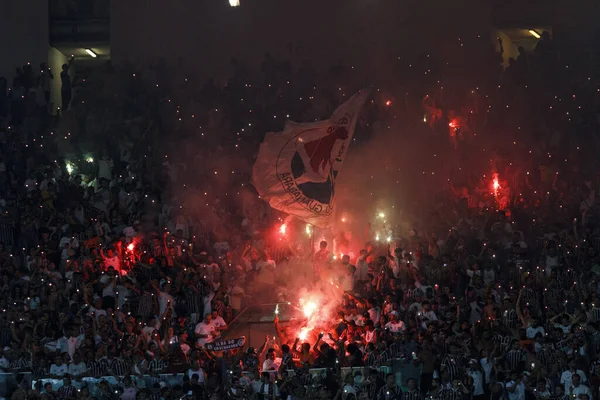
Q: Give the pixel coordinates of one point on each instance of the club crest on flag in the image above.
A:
(307, 168)
(296, 169)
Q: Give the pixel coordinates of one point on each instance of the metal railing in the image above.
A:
(140, 382)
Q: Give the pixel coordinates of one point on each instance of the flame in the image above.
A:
(303, 333)
(496, 184)
(309, 309)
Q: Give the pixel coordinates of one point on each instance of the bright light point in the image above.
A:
(389, 239)
(381, 215)
(283, 229)
(130, 247)
(377, 238)
(388, 103)
(308, 230)
(309, 309)
(70, 168)
(343, 219)
(234, 3)
(303, 334)
(91, 53)
(89, 159)
(534, 34)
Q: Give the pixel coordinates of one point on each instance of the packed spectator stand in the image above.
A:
(125, 249)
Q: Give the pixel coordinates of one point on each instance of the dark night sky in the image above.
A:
(362, 32)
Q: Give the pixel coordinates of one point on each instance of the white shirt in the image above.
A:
(566, 378)
(477, 377)
(108, 291)
(374, 314)
(97, 312)
(73, 344)
(4, 363)
(163, 301)
(270, 365)
(487, 368)
(105, 168)
(531, 331)
(218, 322)
(59, 370)
(199, 372)
(362, 269)
(148, 330)
(489, 276)
(395, 327)
(565, 328)
(347, 283)
(257, 385)
(519, 392)
(203, 328)
(430, 315)
(579, 390)
(77, 369)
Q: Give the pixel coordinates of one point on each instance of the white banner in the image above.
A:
(296, 169)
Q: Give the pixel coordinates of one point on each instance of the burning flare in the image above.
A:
(495, 184)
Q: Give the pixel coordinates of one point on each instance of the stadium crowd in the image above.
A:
(124, 252)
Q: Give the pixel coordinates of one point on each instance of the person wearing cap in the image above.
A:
(395, 325)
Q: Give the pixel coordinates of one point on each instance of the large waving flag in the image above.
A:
(296, 169)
